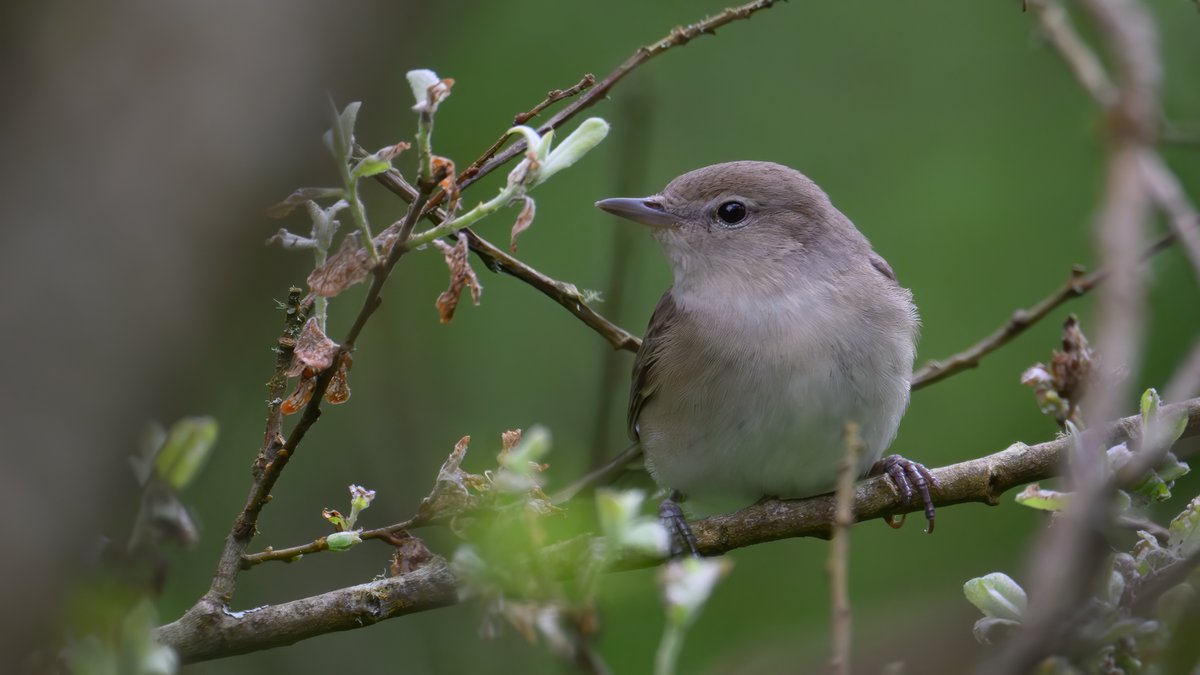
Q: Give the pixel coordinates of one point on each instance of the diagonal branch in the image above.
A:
(210, 632)
(678, 37)
(1078, 285)
(497, 260)
(275, 453)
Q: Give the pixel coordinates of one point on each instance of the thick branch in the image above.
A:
(208, 631)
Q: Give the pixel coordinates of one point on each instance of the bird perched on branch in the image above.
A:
(783, 325)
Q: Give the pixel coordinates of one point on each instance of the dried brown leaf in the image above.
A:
(449, 183)
(524, 220)
(338, 390)
(389, 153)
(452, 493)
(410, 555)
(1072, 366)
(349, 266)
(335, 518)
(313, 348)
(461, 276)
(509, 439)
(299, 398)
(440, 91)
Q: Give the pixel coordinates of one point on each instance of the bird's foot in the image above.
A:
(671, 515)
(911, 479)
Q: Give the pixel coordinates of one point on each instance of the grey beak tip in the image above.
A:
(639, 210)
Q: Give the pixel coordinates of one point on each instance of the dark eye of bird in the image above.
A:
(731, 212)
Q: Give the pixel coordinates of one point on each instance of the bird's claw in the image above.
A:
(682, 539)
(910, 478)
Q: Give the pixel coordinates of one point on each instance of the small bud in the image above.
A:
(343, 541)
(587, 136)
(360, 499)
(997, 596)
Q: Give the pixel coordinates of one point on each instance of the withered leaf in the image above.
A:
(452, 494)
(461, 275)
(298, 198)
(335, 518)
(350, 265)
(443, 166)
(299, 398)
(338, 390)
(439, 91)
(509, 439)
(313, 348)
(411, 554)
(390, 152)
(1072, 366)
(524, 220)
(291, 242)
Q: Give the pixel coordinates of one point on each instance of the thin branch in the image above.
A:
(678, 37)
(1079, 284)
(275, 453)
(555, 95)
(1057, 29)
(497, 260)
(209, 631)
(837, 566)
(552, 97)
(293, 553)
(1186, 381)
(1181, 214)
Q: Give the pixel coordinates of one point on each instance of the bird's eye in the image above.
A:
(731, 212)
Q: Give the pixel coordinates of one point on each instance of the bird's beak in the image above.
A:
(645, 210)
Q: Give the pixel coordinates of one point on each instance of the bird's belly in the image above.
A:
(766, 425)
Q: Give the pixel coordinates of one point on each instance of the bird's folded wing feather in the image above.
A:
(646, 371)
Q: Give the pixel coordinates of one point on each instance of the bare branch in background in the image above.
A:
(1068, 557)
(1078, 285)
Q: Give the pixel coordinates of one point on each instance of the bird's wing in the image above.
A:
(646, 376)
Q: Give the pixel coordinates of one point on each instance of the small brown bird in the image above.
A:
(782, 326)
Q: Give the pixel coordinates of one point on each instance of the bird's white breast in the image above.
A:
(755, 392)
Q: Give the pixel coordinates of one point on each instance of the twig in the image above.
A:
(209, 631)
(498, 260)
(678, 36)
(272, 461)
(839, 552)
(1056, 27)
(553, 97)
(1021, 320)
(1186, 381)
(293, 553)
(1182, 216)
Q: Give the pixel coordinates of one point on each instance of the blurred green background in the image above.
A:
(956, 142)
